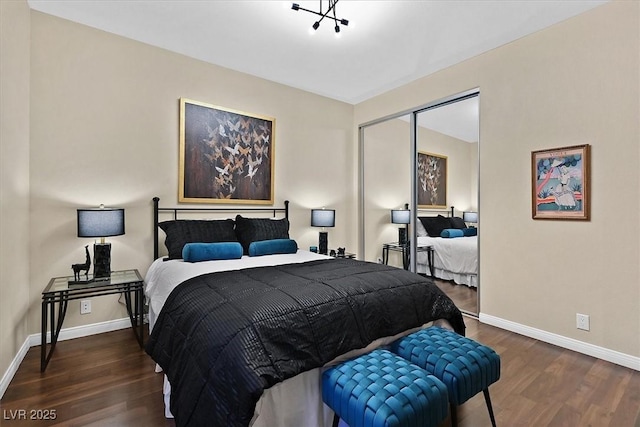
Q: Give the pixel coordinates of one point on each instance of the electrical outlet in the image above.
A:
(379, 260)
(582, 321)
(85, 306)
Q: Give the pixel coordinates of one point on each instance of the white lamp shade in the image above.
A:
(323, 217)
(401, 216)
(100, 222)
(470, 217)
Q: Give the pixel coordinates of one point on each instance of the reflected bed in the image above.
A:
(455, 258)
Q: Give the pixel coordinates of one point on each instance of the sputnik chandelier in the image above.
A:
(324, 14)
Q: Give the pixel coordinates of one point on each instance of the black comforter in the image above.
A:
(222, 338)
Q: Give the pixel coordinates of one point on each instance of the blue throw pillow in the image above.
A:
(272, 247)
(451, 232)
(472, 231)
(196, 252)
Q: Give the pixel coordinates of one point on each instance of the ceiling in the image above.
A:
(459, 119)
(386, 44)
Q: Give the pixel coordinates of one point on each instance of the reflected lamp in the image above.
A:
(470, 218)
(402, 216)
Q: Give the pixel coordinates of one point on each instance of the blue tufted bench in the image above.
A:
(465, 366)
(382, 389)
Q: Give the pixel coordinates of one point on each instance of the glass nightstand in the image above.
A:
(59, 291)
(405, 249)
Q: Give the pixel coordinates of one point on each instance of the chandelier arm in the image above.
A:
(332, 6)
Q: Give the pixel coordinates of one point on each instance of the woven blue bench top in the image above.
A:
(464, 365)
(382, 389)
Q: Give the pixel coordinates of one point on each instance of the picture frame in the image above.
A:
(560, 183)
(226, 156)
(432, 180)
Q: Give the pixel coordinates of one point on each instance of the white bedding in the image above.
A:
(454, 259)
(163, 276)
(294, 402)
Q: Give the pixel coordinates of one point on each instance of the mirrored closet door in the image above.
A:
(425, 160)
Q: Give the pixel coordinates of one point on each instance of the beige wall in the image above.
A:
(387, 183)
(14, 179)
(574, 83)
(104, 129)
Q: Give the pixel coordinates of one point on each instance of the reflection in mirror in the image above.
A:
(386, 169)
(448, 128)
(447, 145)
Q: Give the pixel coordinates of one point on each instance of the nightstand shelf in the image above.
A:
(59, 291)
(405, 249)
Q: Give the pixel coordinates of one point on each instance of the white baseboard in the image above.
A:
(84, 330)
(13, 367)
(65, 334)
(612, 356)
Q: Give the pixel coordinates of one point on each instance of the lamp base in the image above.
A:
(101, 260)
(402, 236)
(323, 243)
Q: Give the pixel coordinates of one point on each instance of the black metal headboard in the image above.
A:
(156, 210)
(449, 212)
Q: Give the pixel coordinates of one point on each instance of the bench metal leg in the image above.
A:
(487, 399)
(454, 414)
(336, 420)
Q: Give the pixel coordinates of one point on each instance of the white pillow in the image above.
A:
(420, 230)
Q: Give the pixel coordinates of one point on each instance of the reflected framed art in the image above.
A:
(432, 180)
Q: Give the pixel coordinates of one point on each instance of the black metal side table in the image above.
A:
(405, 249)
(59, 291)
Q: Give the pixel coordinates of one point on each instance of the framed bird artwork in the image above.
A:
(226, 156)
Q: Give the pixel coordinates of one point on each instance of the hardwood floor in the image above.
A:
(465, 297)
(101, 380)
(107, 380)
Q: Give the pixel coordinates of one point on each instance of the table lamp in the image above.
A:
(402, 216)
(470, 217)
(101, 222)
(323, 218)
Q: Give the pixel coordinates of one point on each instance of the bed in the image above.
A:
(243, 341)
(454, 258)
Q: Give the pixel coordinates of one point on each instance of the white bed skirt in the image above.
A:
(468, 279)
(297, 401)
(294, 402)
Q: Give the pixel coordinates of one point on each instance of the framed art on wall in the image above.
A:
(560, 183)
(432, 180)
(226, 156)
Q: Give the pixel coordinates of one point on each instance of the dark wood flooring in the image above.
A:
(107, 380)
(465, 297)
